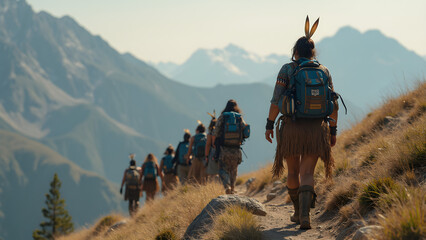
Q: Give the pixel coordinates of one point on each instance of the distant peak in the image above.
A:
(234, 48)
(348, 30)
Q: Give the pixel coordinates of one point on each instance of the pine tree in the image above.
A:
(58, 220)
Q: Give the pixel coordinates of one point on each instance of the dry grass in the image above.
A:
(262, 177)
(173, 213)
(235, 223)
(405, 218)
(342, 194)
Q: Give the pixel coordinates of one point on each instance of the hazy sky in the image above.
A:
(170, 30)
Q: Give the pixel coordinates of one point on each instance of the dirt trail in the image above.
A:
(277, 225)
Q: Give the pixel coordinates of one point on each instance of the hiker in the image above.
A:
(167, 165)
(307, 129)
(131, 179)
(150, 172)
(182, 164)
(197, 147)
(212, 163)
(228, 137)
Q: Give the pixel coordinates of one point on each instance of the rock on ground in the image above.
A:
(365, 233)
(204, 220)
(116, 226)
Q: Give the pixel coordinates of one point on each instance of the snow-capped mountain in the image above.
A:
(230, 65)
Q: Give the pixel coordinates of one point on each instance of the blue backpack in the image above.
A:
(234, 130)
(150, 170)
(183, 150)
(200, 140)
(309, 94)
(168, 164)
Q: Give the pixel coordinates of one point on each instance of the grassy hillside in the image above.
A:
(379, 179)
(26, 169)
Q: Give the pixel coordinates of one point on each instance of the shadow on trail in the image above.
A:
(282, 233)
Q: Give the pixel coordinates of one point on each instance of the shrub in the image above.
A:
(166, 235)
(239, 181)
(373, 190)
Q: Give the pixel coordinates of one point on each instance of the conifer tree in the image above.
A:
(58, 220)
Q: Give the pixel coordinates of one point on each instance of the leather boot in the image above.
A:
(294, 196)
(306, 194)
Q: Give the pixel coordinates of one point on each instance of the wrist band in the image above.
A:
(333, 131)
(269, 124)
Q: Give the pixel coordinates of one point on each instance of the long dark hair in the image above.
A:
(304, 47)
(232, 106)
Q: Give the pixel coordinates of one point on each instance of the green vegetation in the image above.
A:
(374, 189)
(58, 222)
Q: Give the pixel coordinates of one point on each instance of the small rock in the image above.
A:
(277, 183)
(270, 196)
(116, 226)
(275, 189)
(364, 232)
(387, 120)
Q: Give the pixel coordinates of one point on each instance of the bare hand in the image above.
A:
(333, 140)
(269, 135)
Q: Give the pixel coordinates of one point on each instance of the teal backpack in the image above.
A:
(168, 164)
(309, 94)
(183, 150)
(150, 170)
(200, 140)
(132, 177)
(234, 130)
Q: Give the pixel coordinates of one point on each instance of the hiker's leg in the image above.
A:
(233, 176)
(130, 207)
(307, 169)
(293, 169)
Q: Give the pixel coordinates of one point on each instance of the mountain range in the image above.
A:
(365, 66)
(70, 103)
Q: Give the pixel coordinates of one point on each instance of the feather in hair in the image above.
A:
(186, 131)
(314, 28)
(307, 27)
(132, 156)
(213, 115)
(199, 122)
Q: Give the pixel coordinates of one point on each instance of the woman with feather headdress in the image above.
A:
(300, 141)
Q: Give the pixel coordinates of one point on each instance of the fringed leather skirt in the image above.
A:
(302, 137)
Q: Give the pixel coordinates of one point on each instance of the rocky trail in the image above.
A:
(276, 225)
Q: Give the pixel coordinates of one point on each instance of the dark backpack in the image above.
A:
(200, 140)
(309, 94)
(183, 150)
(168, 164)
(234, 130)
(150, 170)
(132, 177)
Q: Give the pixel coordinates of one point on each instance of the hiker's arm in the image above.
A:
(141, 175)
(160, 173)
(334, 116)
(188, 154)
(280, 87)
(208, 146)
(175, 158)
(161, 163)
(124, 179)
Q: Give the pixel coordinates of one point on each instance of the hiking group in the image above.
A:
(305, 131)
(211, 156)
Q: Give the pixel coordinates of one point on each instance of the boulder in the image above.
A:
(204, 220)
(365, 233)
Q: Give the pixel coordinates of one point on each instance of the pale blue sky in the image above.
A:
(170, 30)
